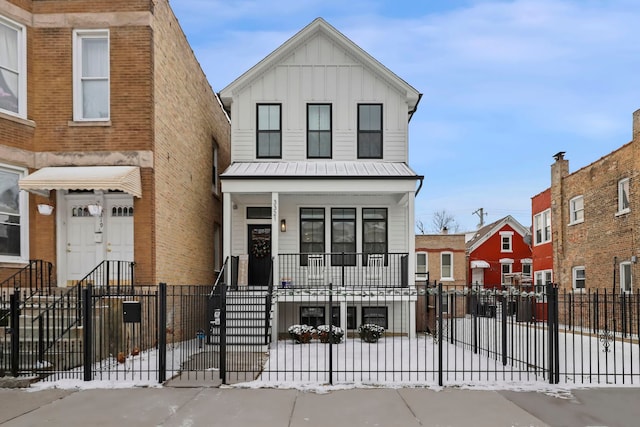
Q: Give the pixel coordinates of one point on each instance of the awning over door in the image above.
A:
(479, 264)
(122, 178)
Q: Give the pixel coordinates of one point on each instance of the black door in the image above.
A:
(259, 254)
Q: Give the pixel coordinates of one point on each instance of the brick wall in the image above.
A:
(604, 234)
(434, 245)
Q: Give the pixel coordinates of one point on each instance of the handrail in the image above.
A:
(36, 266)
(220, 275)
(268, 304)
(94, 277)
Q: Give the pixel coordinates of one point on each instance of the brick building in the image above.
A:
(442, 258)
(103, 104)
(595, 217)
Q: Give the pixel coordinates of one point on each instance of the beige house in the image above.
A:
(107, 152)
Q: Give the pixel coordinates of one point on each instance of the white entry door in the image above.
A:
(93, 239)
(477, 276)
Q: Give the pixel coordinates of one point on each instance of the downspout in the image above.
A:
(421, 178)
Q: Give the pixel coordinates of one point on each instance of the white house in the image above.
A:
(319, 191)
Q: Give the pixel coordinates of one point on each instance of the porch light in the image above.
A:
(44, 209)
(283, 225)
(95, 210)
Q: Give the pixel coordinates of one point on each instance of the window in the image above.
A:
(446, 266)
(579, 279)
(374, 232)
(506, 268)
(269, 134)
(506, 240)
(311, 232)
(312, 316)
(526, 268)
(542, 278)
(13, 64)
(626, 282)
(623, 195)
(91, 75)
(542, 226)
(13, 216)
(421, 265)
(351, 317)
(343, 236)
(369, 131)
(319, 131)
(376, 315)
(258, 212)
(214, 169)
(576, 210)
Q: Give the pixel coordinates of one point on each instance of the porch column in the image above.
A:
(226, 233)
(275, 236)
(412, 260)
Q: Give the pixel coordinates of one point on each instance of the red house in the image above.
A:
(500, 254)
(542, 250)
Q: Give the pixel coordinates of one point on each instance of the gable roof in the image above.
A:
(484, 233)
(320, 26)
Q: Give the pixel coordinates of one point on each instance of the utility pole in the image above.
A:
(481, 213)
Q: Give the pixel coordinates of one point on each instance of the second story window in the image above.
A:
(506, 241)
(269, 131)
(369, 131)
(319, 131)
(13, 63)
(91, 75)
(623, 196)
(576, 210)
(446, 266)
(542, 227)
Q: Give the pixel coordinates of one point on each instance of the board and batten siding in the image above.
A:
(319, 72)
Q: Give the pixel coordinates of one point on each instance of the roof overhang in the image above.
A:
(120, 178)
(479, 264)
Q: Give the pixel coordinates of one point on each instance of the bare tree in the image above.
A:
(420, 226)
(444, 220)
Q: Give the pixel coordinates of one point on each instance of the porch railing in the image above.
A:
(110, 273)
(355, 270)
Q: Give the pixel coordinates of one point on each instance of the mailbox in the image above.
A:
(131, 312)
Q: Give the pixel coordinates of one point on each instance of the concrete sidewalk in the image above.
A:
(239, 407)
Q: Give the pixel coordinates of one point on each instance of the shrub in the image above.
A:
(332, 334)
(301, 333)
(370, 332)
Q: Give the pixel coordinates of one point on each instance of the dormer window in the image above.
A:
(369, 131)
(269, 131)
(319, 131)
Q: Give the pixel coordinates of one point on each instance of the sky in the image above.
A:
(506, 84)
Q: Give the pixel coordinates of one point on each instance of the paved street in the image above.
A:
(235, 407)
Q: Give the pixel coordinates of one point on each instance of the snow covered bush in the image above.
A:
(301, 333)
(370, 332)
(332, 334)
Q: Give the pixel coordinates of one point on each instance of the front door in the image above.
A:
(477, 276)
(80, 245)
(259, 254)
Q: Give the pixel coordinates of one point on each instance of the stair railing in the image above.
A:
(268, 306)
(219, 277)
(34, 276)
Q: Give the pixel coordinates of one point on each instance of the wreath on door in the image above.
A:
(260, 249)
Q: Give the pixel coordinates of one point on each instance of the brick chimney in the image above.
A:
(636, 125)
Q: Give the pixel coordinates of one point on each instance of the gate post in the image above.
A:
(87, 336)
(223, 332)
(331, 331)
(552, 315)
(504, 330)
(162, 333)
(14, 306)
(440, 331)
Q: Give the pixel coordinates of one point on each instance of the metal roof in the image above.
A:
(319, 169)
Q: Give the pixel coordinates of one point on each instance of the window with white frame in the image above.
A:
(13, 65)
(91, 95)
(579, 278)
(421, 265)
(542, 227)
(506, 241)
(446, 266)
(506, 268)
(626, 282)
(14, 227)
(576, 210)
(623, 196)
(542, 278)
(526, 267)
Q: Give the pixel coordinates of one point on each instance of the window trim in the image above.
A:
(22, 67)
(621, 184)
(574, 272)
(419, 275)
(321, 131)
(360, 131)
(268, 131)
(505, 262)
(509, 236)
(23, 199)
(444, 278)
(544, 218)
(573, 211)
(78, 94)
(623, 275)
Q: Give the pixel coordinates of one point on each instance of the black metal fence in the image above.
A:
(433, 334)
